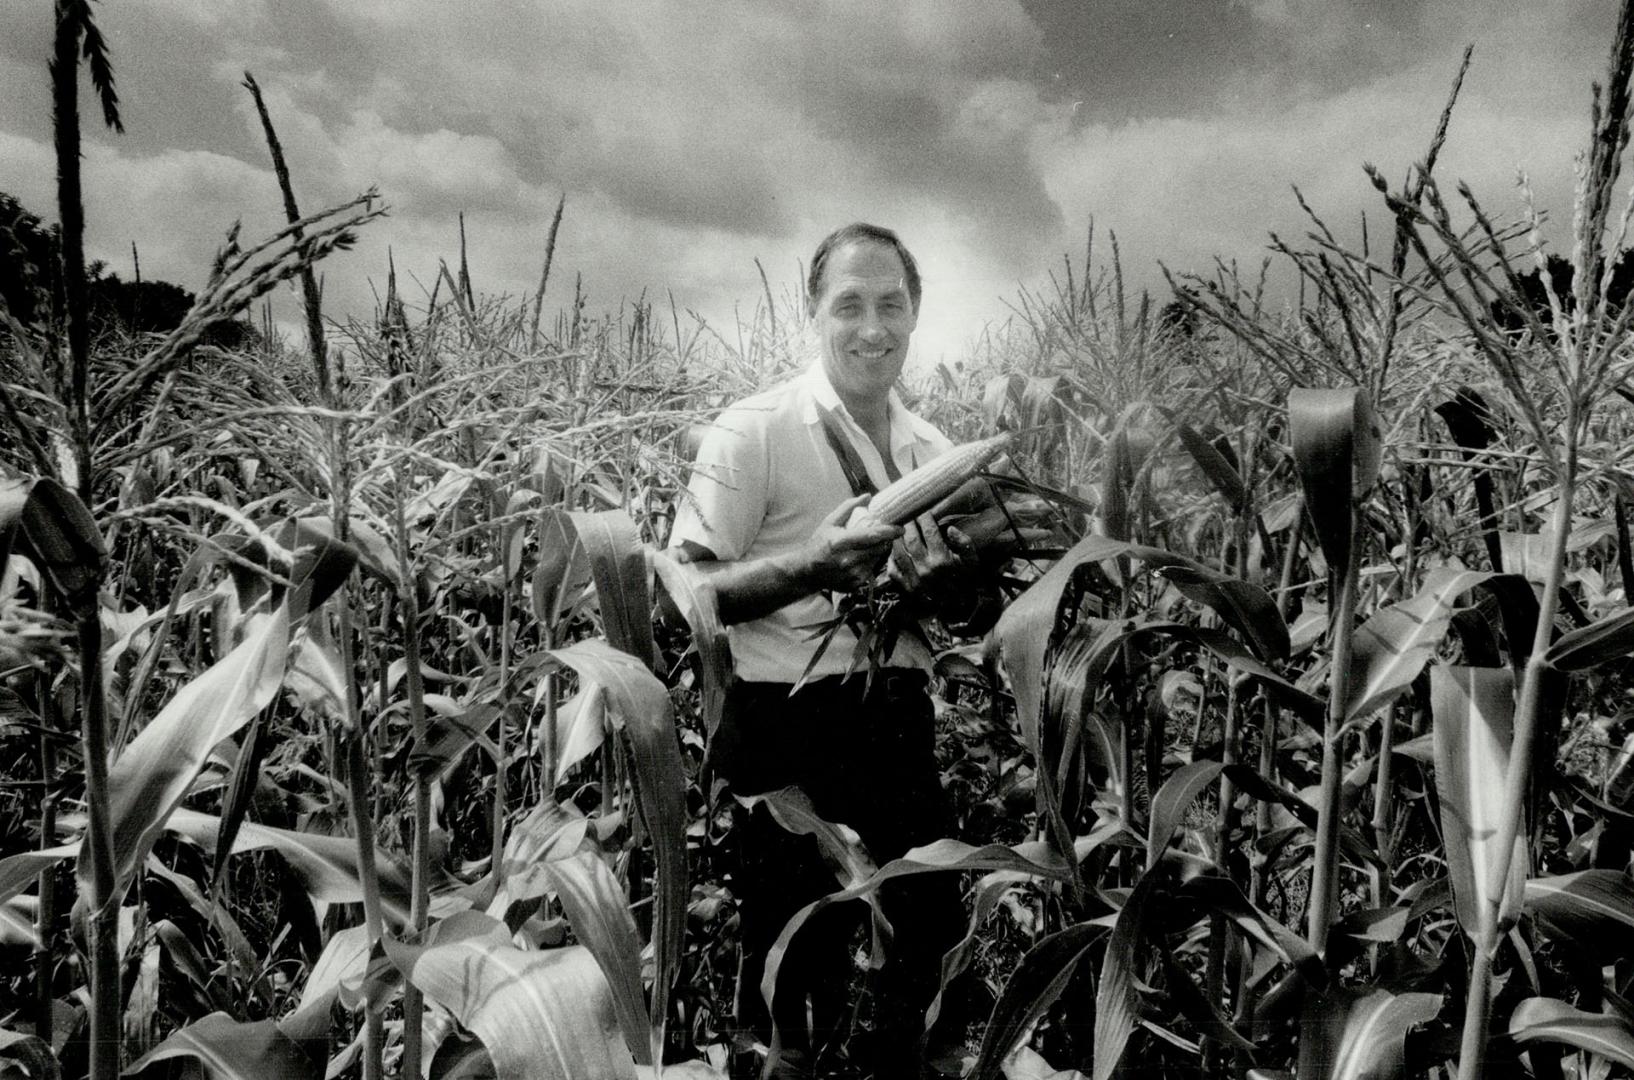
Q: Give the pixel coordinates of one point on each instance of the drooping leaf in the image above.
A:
(1337, 448)
(560, 553)
(345, 957)
(32, 1056)
(326, 865)
(1117, 477)
(638, 703)
(1611, 638)
(461, 1059)
(938, 857)
(543, 1015)
(228, 1049)
(1032, 988)
(1474, 723)
(1541, 1019)
(241, 784)
(1346, 1035)
(1195, 1006)
(1117, 1008)
(549, 832)
(50, 525)
(375, 554)
(1383, 925)
(1390, 649)
(618, 563)
(694, 596)
(322, 565)
(19, 871)
(989, 892)
(1588, 906)
(316, 677)
(149, 779)
(595, 906)
(1307, 707)
(1221, 894)
(840, 847)
(1221, 473)
(612, 687)
(1173, 799)
(1245, 607)
(1071, 721)
(17, 921)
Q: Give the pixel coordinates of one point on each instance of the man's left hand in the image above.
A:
(929, 559)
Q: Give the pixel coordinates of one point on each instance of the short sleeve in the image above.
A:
(725, 501)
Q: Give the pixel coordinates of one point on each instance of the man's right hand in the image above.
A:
(844, 557)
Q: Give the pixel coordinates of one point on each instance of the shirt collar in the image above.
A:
(906, 426)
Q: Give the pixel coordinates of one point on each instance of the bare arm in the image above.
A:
(836, 557)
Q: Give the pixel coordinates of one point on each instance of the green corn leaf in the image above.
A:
(1474, 723)
(17, 921)
(228, 1049)
(549, 832)
(1392, 647)
(1245, 607)
(636, 702)
(595, 906)
(1221, 894)
(1337, 448)
(1173, 799)
(544, 1015)
(326, 865)
(938, 857)
(18, 872)
(618, 564)
(31, 1054)
(46, 521)
(1221, 473)
(1195, 1006)
(1032, 988)
(1117, 1007)
(563, 567)
(1611, 638)
(1347, 1035)
(694, 596)
(840, 847)
(1540, 1019)
(345, 958)
(1590, 906)
(154, 772)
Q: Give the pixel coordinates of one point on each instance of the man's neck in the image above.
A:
(871, 414)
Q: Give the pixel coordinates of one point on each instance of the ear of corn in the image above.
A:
(927, 485)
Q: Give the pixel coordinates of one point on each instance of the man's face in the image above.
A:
(864, 318)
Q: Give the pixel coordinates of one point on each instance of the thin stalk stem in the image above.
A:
(420, 873)
(104, 904)
(357, 783)
(1325, 869)
(498, 826)
(45, 917)
(1478, 1004)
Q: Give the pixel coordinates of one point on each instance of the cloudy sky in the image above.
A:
(690, 138)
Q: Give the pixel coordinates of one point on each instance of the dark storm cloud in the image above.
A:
(691, 139)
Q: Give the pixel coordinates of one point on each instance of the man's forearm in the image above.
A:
(755, 588)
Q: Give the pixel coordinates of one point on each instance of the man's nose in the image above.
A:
(873, 327)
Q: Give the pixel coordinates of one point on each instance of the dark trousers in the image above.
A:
(867, 762)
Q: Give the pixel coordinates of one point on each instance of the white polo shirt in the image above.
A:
(764, 480)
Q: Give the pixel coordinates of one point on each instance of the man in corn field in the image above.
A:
(774, 485)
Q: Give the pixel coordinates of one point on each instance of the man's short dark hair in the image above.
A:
(860, 231)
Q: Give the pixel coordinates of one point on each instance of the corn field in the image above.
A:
(353, 716)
